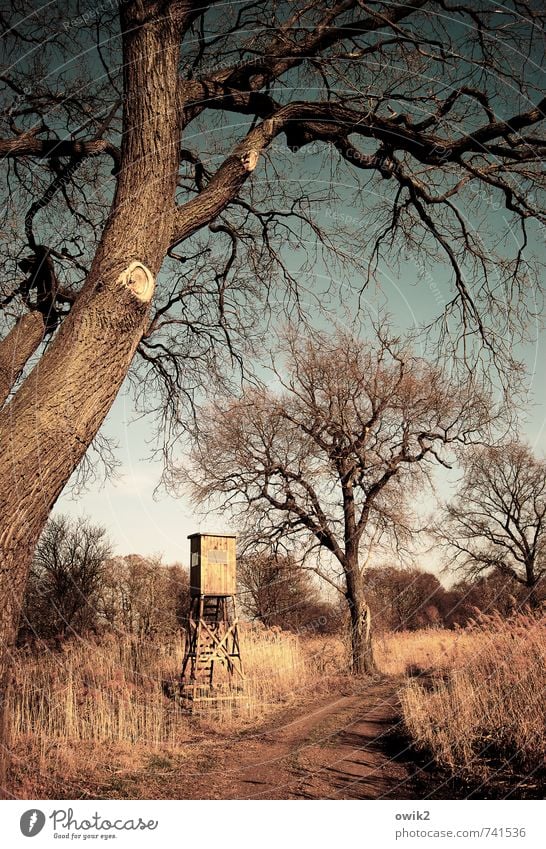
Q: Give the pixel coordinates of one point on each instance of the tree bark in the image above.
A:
(17, 348)
(533, 597)
(362, 656)
(48, 425)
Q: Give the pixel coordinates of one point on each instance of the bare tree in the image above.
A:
(404, 599)
(276, 590)
(128, 160)
(497, 520)
(333, 456)
(142, 596)
(66, 578)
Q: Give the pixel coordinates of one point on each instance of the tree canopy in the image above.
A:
(421, 118)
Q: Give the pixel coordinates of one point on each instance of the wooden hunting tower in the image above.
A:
(212, 637)
(212, 565)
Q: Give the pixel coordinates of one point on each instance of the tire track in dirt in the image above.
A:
(340, 750)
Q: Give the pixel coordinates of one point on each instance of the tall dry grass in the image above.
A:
(112, 690)
(403, 652)
(474, 699)
(483, 707)
(92, 719)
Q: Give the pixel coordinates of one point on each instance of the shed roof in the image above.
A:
(205, 534)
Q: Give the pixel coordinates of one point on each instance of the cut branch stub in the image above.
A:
(139, 280)
(249, 159)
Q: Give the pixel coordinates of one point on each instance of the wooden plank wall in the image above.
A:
(213, 565)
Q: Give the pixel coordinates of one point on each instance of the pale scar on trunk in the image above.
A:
(249, 159)
(139, 280)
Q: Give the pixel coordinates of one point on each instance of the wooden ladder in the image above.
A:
(212, 638)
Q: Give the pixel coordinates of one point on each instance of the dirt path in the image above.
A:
(334, 747)
(339, 749)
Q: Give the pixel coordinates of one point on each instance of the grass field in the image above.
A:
(473, 698)
(483, 709)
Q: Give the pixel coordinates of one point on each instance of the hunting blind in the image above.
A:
(212, 636)
(213, 565)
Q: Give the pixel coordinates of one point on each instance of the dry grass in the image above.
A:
(399, 654)
(483, 708)
(112, 691)
(93, 719)
(405, 652)
(94, 715)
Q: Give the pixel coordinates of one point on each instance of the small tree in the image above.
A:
(494, 592)
(66, 578)
(497, 519)
(333, 455)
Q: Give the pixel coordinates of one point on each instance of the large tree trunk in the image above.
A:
(17, 348)
(362, 657)
(49, 424)
(533, 595)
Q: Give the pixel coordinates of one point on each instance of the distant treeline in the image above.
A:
(77, 587)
